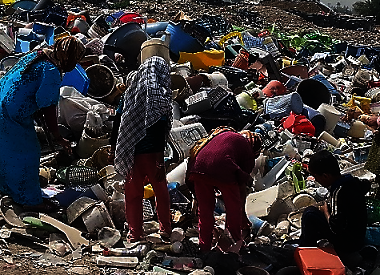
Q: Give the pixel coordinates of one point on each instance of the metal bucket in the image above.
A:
(97, 218)
(102, 81)
(87, 145)
(78, 207)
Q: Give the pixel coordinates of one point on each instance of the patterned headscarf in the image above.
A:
(67, 49)
(147, 99)
(254, 139)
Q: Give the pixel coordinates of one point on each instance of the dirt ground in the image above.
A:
(28, 258)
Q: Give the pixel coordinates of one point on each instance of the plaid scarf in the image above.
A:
(147, 99)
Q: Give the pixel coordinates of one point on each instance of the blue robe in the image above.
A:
(21, 95)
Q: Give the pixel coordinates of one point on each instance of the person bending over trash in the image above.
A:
(145, 123)
(223, 161)
(30, 86)
(343, 220)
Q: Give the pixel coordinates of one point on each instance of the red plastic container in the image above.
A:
(318, 261)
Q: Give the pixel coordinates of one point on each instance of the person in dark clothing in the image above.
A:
(343, 220)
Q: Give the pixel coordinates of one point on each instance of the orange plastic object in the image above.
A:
(148, 191)
(203, 60)
(72, 16)
(318, 261)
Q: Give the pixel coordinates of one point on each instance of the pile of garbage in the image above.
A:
(302, 92)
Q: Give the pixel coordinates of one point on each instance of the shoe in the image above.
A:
(131, 239)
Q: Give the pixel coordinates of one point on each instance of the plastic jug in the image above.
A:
(156, 47)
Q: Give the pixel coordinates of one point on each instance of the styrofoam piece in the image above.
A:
(258, 203)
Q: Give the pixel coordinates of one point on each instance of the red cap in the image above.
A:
(274, 88)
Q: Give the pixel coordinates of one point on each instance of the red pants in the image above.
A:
(235, 215)
(145, 166)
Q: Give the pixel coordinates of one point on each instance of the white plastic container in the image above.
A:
(117, 261)
(329, 139)
(331, 114)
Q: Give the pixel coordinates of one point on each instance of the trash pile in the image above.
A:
(301, 92)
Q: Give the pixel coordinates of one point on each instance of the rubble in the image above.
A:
(222, 63)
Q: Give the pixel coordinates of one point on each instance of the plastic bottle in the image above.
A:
(271, 47)
(117, 261)
(176, 247)
(139, 251)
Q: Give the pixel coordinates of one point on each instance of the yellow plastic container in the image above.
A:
(288, 62)
(148, 191)
(364, 103)
(7, 2)
(230, 35)
(203, 60)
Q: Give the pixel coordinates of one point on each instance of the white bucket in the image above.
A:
(178, 174)
(331, 114)
(329, 139)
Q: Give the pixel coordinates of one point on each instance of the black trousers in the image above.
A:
(314, 227)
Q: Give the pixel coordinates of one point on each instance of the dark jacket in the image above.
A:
(348, 210)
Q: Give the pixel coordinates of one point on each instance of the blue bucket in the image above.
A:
(153, 28)
(181, 41)
(46, 30)
(78, 79)
(257, 224)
